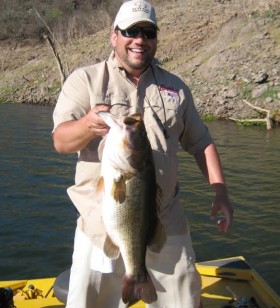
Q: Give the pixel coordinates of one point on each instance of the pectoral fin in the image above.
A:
(100, 184)
(119, 189)
(111, 250)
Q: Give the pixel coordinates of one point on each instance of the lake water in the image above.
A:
(37, 219)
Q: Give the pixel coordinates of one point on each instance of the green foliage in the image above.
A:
(54, 88)
(53, 13)
(246, 91)
(271, 92)
(6, 93)
(250, 124)
(208, 117)
(272, 14)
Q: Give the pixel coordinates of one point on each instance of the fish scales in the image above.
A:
(135, 219)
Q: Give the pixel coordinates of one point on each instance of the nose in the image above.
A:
(140, 36)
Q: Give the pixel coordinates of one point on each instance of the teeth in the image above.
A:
(137, 50)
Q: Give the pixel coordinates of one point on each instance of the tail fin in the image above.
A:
(138, 288)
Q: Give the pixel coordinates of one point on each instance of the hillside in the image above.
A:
(226, 51)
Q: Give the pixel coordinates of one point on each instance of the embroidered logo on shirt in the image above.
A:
(170, 92)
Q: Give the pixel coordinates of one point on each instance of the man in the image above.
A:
(129, 82)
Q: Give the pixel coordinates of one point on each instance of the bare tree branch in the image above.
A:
(57, 58)
(267, 119)
(63, 70)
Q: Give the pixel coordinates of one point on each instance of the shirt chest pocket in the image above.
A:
(164, 107)
(124, 100)
(120, 103)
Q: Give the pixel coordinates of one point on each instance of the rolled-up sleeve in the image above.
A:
(73, 101)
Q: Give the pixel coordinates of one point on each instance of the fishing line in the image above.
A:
(163, 125)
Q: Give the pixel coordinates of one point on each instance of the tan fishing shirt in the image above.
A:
(171, 121)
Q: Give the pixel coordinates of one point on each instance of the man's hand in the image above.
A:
(94, 123)
(222, 205)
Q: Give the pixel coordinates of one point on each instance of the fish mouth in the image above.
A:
(111, 120)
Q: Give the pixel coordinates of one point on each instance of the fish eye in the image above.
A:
(130, 121)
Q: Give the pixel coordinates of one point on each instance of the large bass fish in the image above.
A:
(130, 203)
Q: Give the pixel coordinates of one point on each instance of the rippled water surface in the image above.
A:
(37, 219)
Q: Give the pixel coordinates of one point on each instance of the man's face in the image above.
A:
(134, 54)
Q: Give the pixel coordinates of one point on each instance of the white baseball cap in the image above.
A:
(133, 12)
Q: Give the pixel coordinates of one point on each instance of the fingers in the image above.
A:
(213, 212)
(101, 107)
(224, 223)
(95, 122)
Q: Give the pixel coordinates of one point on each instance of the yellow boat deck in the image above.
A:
(223, 281)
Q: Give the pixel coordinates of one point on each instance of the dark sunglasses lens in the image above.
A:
(147, 33)
(132, 32)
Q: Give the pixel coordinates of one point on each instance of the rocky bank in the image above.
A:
(226, 51)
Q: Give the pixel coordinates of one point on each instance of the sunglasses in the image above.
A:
(149, 33)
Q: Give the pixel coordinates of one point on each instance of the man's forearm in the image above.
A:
(210, 165)
(72, 136)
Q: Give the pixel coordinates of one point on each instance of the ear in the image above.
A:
(113, 38)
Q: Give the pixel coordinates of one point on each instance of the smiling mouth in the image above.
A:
(137, 50)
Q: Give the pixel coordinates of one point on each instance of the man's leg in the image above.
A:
(89, 288)
(80, 271)
(174, 274)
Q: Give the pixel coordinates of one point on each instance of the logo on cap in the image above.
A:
(140, 6)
